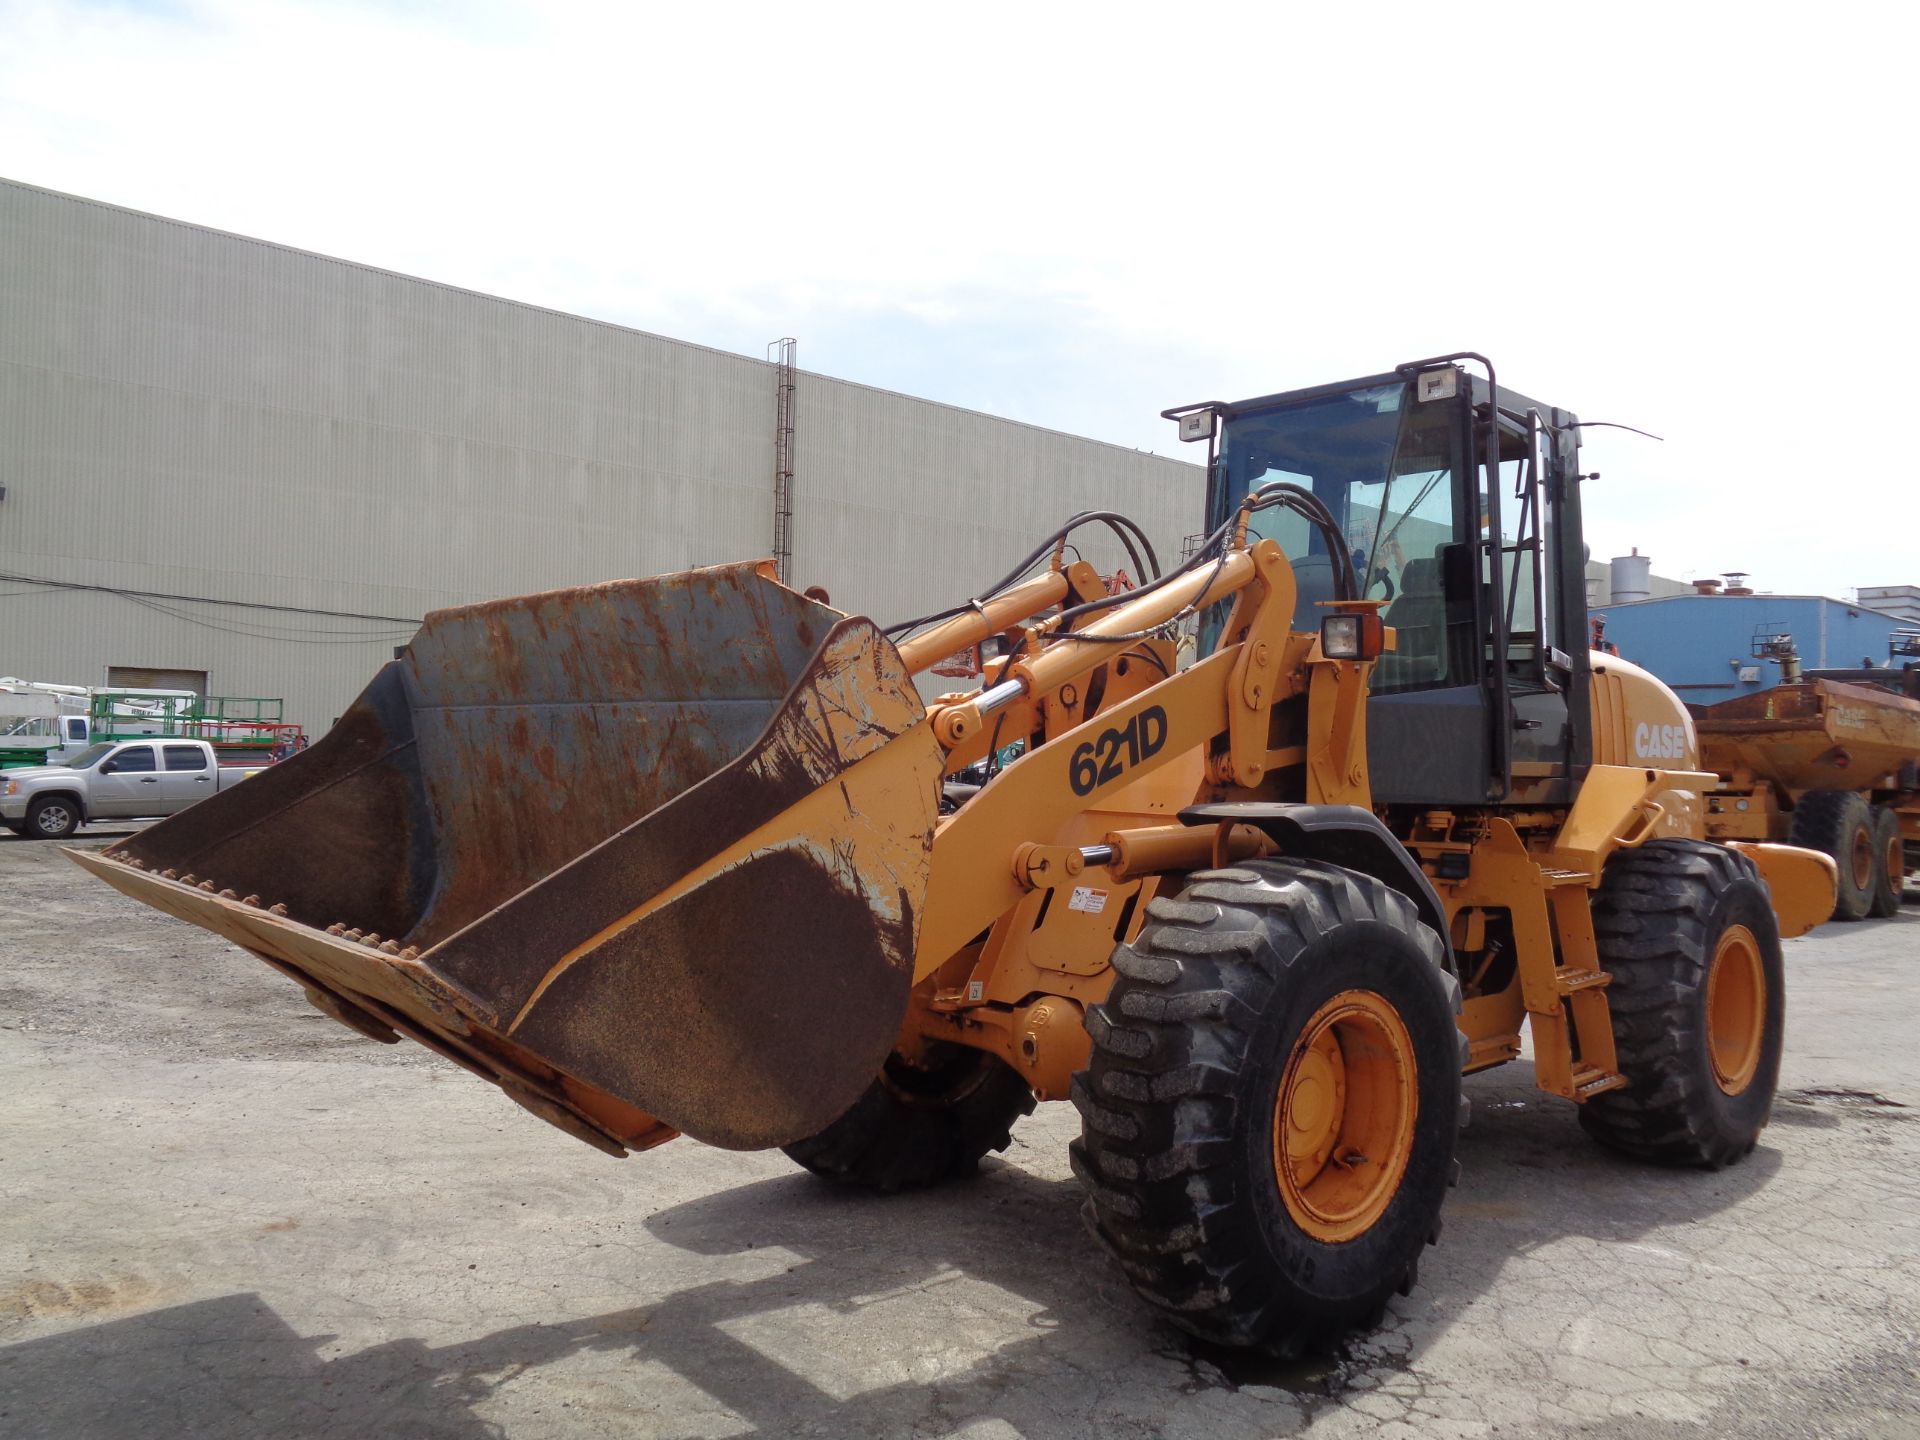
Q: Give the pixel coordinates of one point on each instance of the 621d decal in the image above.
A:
(1108, 756)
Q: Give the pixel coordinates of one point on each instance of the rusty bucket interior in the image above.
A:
(649, 854)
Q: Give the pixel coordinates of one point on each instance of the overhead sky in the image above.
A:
(1694, 218)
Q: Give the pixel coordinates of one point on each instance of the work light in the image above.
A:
(1351, 637)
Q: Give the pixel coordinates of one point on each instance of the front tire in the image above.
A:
(918, 1125)
(1687, 931)
(1839, 824)
(1269, 1114)
(52, 817)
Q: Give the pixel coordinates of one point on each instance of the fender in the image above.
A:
(1343, 835)
(1799, 881)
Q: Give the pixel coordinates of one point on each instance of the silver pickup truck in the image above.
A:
(113, 780)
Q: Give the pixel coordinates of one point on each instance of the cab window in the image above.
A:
(1527, 562)
(1388, 466)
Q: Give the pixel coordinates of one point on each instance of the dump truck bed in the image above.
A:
(1816, 735)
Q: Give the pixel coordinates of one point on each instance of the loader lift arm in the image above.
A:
(510, 942)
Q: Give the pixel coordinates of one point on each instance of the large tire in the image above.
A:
(1232, 990)
(52, 817)
(1889, 864)
(917, 1126)
(1839, 824)
(1687, 931)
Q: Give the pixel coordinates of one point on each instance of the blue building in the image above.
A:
(1710, 647)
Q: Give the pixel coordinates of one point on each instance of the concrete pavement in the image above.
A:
(223, 1215)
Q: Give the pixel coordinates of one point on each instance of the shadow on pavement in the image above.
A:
(982, 1300)
(232, 1367)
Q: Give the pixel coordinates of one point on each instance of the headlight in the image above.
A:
(13, 788)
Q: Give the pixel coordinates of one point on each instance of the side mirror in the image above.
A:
(106, 767)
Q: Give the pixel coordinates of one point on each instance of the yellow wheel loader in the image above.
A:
(691, 855)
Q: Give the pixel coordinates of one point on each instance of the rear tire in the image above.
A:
(1227, 1002)
(919, 1126)
(1890, 864)
(52, 817)
(1687, 931)
(1839, 824)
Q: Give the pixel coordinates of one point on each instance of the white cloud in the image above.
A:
(1691, 218)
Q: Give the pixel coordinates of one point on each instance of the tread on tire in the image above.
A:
(1834, 822)
(916, 1127)
(1178, 1103)
(1889, 864)
(1658, 919)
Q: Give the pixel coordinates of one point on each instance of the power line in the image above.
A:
(15, 579)
(317, 637)
(267, 629)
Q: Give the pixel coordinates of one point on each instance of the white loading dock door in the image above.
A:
(135, 677)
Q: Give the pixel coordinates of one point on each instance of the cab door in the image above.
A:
(1414, 538)
(75, 736)
(127, 782)
(1543, 661)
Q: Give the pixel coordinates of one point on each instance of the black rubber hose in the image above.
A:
(1112, 519)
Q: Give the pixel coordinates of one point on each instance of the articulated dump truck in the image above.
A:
(1830, 762)
(690, 856)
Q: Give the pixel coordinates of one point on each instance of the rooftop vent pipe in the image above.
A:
(1628, 577)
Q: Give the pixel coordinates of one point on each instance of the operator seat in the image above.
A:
(1419, 615)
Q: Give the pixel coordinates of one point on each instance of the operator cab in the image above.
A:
(1457, 504)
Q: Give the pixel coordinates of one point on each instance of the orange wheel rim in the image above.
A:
(1343, 1121)
(1862, 859)
(1736, 1009)
(1896, 862)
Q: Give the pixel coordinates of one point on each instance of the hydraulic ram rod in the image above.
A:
(988, 617)
(1105, 637)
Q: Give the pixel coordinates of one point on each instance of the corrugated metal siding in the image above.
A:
(202, 414)
(912, 506)
(1699, 644)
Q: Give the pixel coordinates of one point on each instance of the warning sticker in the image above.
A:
(1086, 898)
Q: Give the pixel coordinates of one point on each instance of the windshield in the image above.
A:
(1384, 466)
(90, 756)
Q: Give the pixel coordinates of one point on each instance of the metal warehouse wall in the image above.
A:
(203, 415)
(1699, 644)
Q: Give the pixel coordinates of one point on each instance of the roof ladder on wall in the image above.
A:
(781, 353)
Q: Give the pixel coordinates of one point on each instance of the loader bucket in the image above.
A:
(650, 855)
